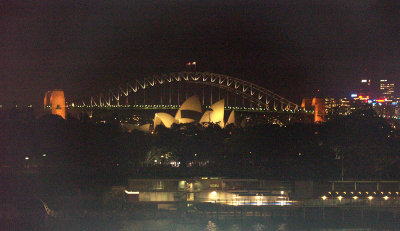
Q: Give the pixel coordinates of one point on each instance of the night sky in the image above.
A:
(290, 47)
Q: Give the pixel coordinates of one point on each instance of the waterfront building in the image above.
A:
(209, 190)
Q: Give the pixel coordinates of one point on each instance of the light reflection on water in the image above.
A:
(187, 225)
(196, 223)
(201, 226)
(167, 225)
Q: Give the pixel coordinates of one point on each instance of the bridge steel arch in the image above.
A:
(256, 94)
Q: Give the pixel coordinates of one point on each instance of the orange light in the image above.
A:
(56, 100)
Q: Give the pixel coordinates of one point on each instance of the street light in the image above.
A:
(370, 200)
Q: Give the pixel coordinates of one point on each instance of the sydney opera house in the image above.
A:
(191, 111)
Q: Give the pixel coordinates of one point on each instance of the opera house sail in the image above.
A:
(231, 118)
(191, 104)
(163, 118)
(217, 113)
(188, 111)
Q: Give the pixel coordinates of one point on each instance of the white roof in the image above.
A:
(163, 118)
(191, 104)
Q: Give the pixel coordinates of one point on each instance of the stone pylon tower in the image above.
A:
(55, 100)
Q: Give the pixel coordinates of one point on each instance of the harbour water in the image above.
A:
(151, 220)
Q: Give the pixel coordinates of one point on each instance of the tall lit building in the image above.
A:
(337, 106)
(365, 88)
(386, 88)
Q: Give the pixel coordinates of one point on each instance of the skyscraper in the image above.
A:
(365, 88)
(386, 89)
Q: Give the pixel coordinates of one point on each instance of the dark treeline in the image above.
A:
(370, 149)
(63, 161)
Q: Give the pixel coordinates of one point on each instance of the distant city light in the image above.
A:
(130, 192)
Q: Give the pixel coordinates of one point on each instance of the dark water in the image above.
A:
(115, 223)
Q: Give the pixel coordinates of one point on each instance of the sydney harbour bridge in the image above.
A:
(170, 90)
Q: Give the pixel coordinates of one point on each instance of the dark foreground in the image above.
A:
(211, 217)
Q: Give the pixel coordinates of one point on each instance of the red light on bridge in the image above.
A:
(191, 64)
